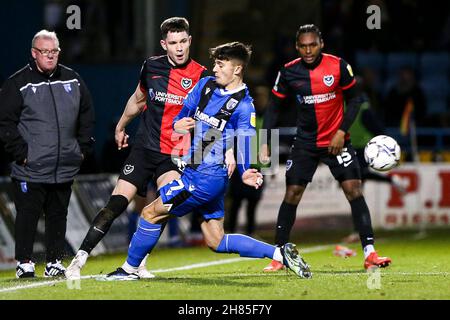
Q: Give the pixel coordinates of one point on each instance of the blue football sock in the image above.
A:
(245, 246)
(143, 241)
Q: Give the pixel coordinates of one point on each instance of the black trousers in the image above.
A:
(31, 200)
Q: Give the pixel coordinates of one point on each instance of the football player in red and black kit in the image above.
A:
(320, 83)
(164, 83)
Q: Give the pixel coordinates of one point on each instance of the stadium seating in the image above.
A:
(397, 60)
(432, 71)
(434, 63)
(372, 60)
(436, 89)
(371, 64)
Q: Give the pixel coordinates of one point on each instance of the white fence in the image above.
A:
(426, 202)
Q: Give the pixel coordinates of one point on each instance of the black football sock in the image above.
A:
(285, 221)
(103, 221)
(361, 220)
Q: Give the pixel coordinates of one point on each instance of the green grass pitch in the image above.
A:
(420, 270)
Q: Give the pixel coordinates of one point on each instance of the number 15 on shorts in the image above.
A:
(345, 158)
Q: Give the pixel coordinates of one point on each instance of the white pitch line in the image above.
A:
(187, 267)
(202, 264)
(39, 284)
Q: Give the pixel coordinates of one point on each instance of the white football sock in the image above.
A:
(143, 262)
(128, 268)
(368, 250)
(277, 255)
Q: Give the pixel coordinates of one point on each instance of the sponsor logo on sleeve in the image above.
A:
(253, 119)
(350, 71)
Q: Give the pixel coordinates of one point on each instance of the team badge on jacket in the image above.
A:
(67, 87)
(328, 80)
(186, 83)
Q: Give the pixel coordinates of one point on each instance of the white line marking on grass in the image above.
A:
(38, 284)
(187, 267)
(201, 265)
(225, 261)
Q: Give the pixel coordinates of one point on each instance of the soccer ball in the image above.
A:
(382, 153)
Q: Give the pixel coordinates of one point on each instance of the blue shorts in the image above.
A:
(195, 192)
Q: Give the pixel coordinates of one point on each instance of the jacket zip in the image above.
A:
(57, 125)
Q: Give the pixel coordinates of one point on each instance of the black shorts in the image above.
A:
(144, 165)
(302, 164)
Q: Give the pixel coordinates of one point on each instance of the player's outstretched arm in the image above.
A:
(134, 107)
(252, 178)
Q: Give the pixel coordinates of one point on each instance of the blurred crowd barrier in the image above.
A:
(425, 202)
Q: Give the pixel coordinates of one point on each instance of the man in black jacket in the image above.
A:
(46, 124)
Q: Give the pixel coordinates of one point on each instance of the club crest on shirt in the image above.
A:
(186, 83)
(328, 80)
(231, 104)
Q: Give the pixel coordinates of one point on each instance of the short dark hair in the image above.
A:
(232, 50)
(174, 24)
(307, 28)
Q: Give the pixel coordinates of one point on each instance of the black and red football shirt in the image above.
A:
(166, 87)
(319, 96)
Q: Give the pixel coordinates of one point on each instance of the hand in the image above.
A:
(121, 138)
(264, 154)
(337, 143)
(252, 178)
(230, 162)
(24, 163)
(183, 125)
